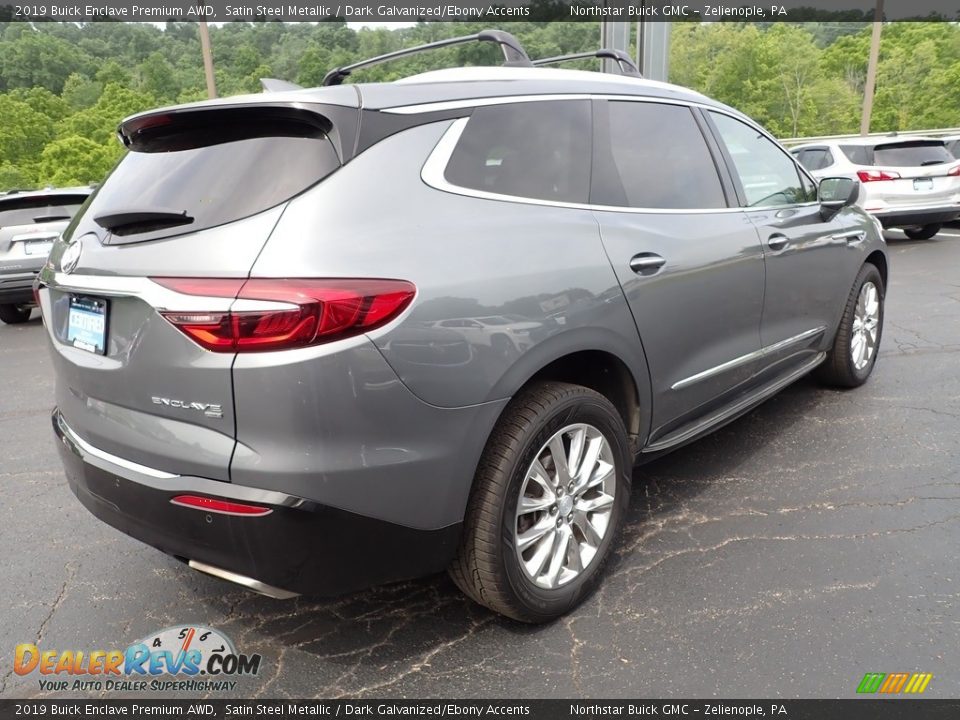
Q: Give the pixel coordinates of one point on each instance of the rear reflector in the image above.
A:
(223, 507)
(877, 175)
(305, 312)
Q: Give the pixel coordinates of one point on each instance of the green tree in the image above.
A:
(75, 160)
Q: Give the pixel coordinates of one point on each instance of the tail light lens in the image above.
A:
(955, 170)
(283, 314)
(877, 175)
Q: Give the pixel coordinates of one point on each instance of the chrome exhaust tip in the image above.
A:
(249, 583)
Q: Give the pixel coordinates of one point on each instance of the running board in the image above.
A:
(249, 583)
(727, 414)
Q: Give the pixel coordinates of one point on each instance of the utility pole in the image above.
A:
(207, 59)
(872, 69)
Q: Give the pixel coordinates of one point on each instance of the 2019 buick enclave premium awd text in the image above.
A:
(247, 321)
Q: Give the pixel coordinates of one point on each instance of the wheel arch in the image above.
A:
(879, 260)
(593, 358)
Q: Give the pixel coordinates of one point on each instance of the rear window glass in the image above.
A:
(911, 154)
(538, 150)
(215, 170)
(31, 210)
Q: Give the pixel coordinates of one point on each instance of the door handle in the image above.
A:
(850, 237)
(646, 263)
(777, 241)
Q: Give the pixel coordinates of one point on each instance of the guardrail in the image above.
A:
(905, 133)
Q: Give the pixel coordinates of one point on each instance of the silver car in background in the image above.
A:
(29, 223)
(909, 183)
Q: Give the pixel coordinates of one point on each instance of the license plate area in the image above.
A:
(87, 324)
(922, 184)
(37, 247)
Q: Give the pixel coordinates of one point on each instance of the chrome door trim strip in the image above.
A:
(748, 358)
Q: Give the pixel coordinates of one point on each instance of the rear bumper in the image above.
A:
(299, 547)
(17, 288)
(909, 216)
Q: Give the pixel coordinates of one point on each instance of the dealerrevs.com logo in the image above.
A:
(190, 658)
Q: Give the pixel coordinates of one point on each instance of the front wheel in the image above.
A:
(14, 314)
(854, 353)
(549, 495)
(923, 232)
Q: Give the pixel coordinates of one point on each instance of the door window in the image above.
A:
(769, 175)
(657, 158)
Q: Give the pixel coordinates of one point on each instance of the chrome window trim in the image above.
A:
(748, 358)
(433, 170)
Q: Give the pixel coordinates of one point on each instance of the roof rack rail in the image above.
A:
(625, 63)
(513, 53)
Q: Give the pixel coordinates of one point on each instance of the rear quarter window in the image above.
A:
(857, 154)
(536, 150)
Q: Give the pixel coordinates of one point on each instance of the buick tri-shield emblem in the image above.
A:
(70, 258)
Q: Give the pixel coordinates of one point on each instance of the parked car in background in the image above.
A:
(909, 183)
(29, 223)
(264, 366)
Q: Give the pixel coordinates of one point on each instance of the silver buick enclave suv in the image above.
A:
(263, 322)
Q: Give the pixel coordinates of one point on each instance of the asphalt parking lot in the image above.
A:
(786, 555)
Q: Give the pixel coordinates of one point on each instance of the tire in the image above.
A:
(842, 367)
(487, 566)
(923, 232)
(14, 314)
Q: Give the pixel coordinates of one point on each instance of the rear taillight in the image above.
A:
(955, 170)
(278, 314)
(877, 175)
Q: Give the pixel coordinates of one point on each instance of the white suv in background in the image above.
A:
(910, 183)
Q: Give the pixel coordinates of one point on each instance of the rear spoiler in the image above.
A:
(147, 131)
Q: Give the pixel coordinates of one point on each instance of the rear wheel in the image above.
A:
(922, 232)
(14, 314)
(854, 353)
(548, 498)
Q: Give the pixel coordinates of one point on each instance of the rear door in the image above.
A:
(691, 265)
(808, 260)
(196, 198)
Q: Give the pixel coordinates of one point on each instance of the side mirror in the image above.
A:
(836, 193)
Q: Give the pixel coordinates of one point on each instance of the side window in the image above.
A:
(857, 154)
(807, 158)
(814, 158)
(657, 159)
(538, 150)
(769, 175)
